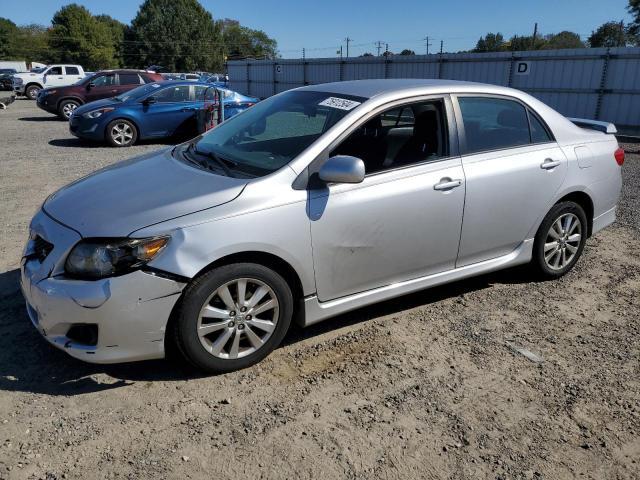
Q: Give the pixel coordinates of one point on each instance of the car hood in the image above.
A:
(137, 193)
(88, 107)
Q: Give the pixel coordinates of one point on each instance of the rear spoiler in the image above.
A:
(604, 127)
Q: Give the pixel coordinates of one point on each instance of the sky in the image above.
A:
(322, 26)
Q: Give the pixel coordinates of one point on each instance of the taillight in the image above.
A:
(619, 156)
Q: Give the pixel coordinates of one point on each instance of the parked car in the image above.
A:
(30, 83)
(62, 101)
(193, 77)
(156, 110)
(6, 78)
(314, 202)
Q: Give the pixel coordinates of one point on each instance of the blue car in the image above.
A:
(152, 111)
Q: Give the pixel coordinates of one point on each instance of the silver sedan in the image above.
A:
(314, 202)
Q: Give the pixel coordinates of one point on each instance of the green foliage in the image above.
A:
(634, 9)
(178, 34)
(406, 51)
(117, 32)
(610, 34)
(79, 37)
(491, 42)
(243, 42)
(8, 32)
(565, 39)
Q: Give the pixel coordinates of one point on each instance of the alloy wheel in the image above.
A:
(121, 133)
(562, 241)
(238, 318)
(68, 108)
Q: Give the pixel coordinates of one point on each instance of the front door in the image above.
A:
(172, 108)
(404, 220)
(102, 86)
(513, 169)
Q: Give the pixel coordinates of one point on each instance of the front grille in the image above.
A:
(41, 248)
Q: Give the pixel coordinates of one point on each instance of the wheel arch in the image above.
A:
(69, 97)
(30, 84)
(586, 202)
(269, 260)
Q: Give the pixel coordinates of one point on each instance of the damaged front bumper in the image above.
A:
(127, 315)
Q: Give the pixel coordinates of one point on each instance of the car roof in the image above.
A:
(374, 87)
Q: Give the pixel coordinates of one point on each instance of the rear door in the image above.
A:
(513, 169)
(72, 74)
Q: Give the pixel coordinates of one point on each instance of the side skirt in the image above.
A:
(316, 311)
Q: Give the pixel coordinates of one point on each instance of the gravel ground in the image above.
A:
(431, 385)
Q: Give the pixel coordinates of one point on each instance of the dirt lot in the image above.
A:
(426, 386)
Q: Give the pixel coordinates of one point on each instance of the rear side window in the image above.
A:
(129, 79)
(173, 94)
(539, 133)
(493, 123)
(72, 70)
(104, 80)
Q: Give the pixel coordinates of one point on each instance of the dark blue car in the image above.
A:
(155, 110)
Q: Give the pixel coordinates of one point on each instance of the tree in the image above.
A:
(491, 42)
(367, 54)
(564, 39)
(8, 32)
(117, 31)
(78, 37)
(32, 44)
(243, 42)
(610, 34)
(634, 9)
(406, 51)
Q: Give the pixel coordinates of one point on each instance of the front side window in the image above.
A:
(411, 134)
(55, 71)
(72, 70)
(270, 134)
(173, 94)
(497, 123)
(104, 81)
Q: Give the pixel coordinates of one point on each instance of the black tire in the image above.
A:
(198, 294)
(31, 92)
(544, 266)
(66, 108)
(116, 140)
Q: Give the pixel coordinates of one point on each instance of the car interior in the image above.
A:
(401, 136)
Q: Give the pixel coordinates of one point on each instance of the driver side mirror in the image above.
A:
(150, 100)
(342, 169)
(90, 85)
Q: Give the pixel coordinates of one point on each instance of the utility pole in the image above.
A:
(623, 40)
(304, 56)
(379, 46)
(535, 35)
(427, 43)
(386, 49)
(348, 40)
(340, 52)
(441, 46)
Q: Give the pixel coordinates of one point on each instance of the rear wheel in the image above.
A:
(233, 317)
(66, 108)
(560, 240)
(121, 133)
(32, 92)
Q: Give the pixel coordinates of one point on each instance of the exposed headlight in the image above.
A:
(99, 258)
(48, 92)
(97, 113)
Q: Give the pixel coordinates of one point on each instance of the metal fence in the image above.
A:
(596, 83)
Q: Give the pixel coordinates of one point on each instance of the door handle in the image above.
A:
(549, 164)
(447, 184)
(188, 109)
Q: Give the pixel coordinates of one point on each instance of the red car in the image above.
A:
(105, 84)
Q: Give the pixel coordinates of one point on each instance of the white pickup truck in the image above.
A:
(30, 83)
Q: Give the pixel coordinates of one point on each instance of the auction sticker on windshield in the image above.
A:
(340, 103)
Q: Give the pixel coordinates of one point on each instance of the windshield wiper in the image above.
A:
(224, 163)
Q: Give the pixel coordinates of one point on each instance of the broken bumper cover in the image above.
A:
(130, 311)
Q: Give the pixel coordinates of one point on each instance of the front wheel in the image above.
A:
(66, 108)
(121, 133)
(560, 240)
(232, 317)
(32, 92)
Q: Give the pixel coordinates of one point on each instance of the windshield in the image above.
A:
(273, 132)
(38, 69)
(138, 92)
